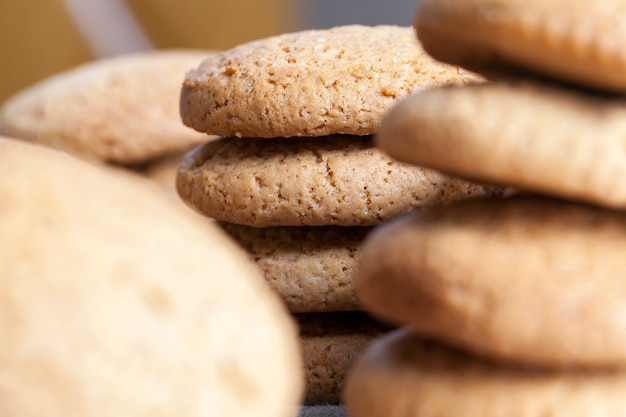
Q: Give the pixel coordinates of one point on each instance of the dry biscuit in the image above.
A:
(572, 40)
(556, 141)
(332, 180)
(527, 280)
(122, 110)
(311, 268)
(402, 375)
(115, 300)
(330, 344)
(311, 83)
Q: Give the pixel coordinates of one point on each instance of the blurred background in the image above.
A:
(41, 37)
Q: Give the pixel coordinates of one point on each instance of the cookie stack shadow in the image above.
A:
(509, 306)
(295, 177)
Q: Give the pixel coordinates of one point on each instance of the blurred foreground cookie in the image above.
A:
(573, 40)
(122, 110)
(117, 301)
(527, 280)
(331, 342)
(337, 180)
(402, 375)
(311, 83)
(538, 137)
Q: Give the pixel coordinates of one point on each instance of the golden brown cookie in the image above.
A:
(311, 268)
(330, 344)
(528, 280)
(332, 180)
(578, 41)
(117, 301)
(311, 83)
(123, 110)
(556, 141)
(403, 375)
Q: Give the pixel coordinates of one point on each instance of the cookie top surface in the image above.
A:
(311, 83)
(532, 136)
(575, 41)
(312, 268)
(332, 180)
(402, 375)
(505, 279)
(109, 299)
(123, 109)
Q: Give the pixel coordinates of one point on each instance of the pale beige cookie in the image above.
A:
(311, 83)
(332, 180)
(123, 109)
(311, 268)
(532, 136)
(528, 280)
(330, 344)
(402, 375)
(116, 301)
(578, 41)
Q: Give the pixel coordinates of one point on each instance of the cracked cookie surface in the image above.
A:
(332, 180)
(311, 83)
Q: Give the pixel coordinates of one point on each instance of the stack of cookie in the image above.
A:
(528, 292)
(121, 111)
(296, 178)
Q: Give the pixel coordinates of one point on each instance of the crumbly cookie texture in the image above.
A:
(331, 342)
(311, 83)
(547, 139)
(401, 375)
(117, 301)
(524, 280)
(577, 41)
(122, 110)
(332, 180)
(313, 269)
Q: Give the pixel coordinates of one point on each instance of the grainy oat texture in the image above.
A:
(539, 137)
(528, 280)
(116, 301)
(311, 268)
(123, 109)
(402, 375)
(332, 180)
(311, 83)
(577, 41)
(330, 344)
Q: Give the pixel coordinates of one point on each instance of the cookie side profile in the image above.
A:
(538, 137)
(525, 280)
(311, 268)
(118, 301)
(403, 375)
(311, 83)
(575, 41)
(331, 342)
(122, 110)
(333, 180)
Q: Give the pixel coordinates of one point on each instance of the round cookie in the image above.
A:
(330, 344)
(332, 180)
(115, 300)
(538, 137)
(402, 375)
(311, 83)
(577, 41)
(527, 280)
(122, 110)
(311, 268)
